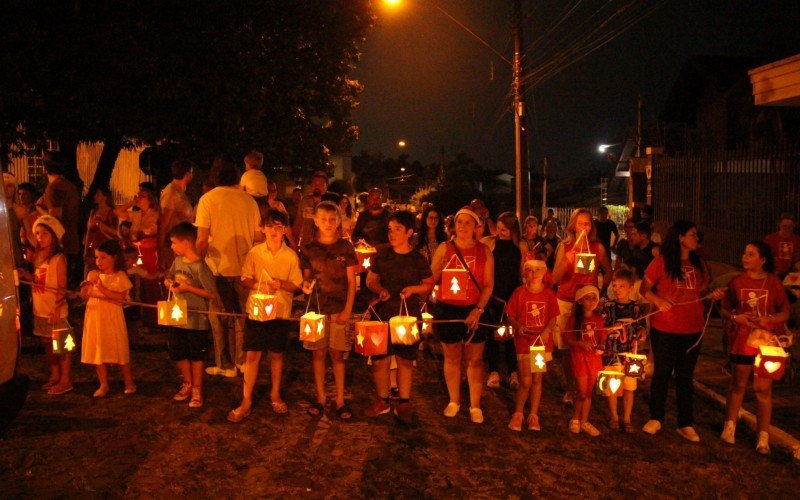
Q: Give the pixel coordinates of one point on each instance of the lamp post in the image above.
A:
(521, 167)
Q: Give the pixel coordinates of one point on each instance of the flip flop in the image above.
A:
(344, 412)
(315, 409)
(237, 415)
(279, 407)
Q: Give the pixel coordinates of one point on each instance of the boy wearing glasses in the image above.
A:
(273, 268)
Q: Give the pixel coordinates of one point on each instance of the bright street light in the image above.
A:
(392, 3)
(604, 147)
(401, 143)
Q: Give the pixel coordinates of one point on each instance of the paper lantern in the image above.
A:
(585, 263)
(262, 306)
(770, 362)
(403, 327)
(758, 337)
(364, 254)
(505, 331)
(456, 284)
(62, 340)
(427, 323)
(434, 293)
(372, 338)
(312, 327)
(538, 357)
(173, 311)
(634, 365)
(609, 382)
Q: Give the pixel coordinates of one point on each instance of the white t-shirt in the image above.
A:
(232, 218)
(254, 182)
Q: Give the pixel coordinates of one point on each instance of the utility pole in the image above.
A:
(544, 188)
(521, 170)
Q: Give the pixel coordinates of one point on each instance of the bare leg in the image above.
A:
(452, 370)
(380, 372)
(276, 372)
(197, 374)
(741, 374)
(405, 374)
(127, 376)
(252, 358)
(318, 364)
(613, 407)
(337, 359)
(536, 392)
(763, 390)
(102, 375)
(185, 370)
(627, 405)
(65, 365)
(474, 354)
(52, 362)
(523, 391)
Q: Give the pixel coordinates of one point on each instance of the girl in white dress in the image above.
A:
(105, 336)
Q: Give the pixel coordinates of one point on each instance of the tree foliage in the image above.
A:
(210, 76)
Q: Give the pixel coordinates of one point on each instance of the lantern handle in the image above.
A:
(170, 293)
(313, 291)
(585, 237)
(538, 338)
(371, 307)
(403, 306)
(261, 279)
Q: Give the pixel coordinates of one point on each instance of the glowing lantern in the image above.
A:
(427, 325)
(62, 340)
(609, 382)
(312, 327)
(456, 284)
(505, 331)
(173, 311)
(364, 254)
(434, 293)
(262, 306)
(403, 327)
(584, 263)
(770, 362)
(538, 357)
(634, 365)
(372, 338)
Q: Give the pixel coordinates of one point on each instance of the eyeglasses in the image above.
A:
(275, 227)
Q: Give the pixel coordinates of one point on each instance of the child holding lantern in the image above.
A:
(584, 331)
(754, 300)
(623, 337)
(398, 273)
(328, 265)
(274, 268)
(190, 279)
(532, 311)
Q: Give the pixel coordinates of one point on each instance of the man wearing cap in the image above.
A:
(304, 220)
(372, 224)
(62, 200)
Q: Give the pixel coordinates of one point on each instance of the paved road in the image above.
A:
(147, 445)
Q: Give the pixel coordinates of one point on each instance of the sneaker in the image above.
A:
(728, 432)
(405, 413)
(533, 422)
(59, 389)
(379, 407)
(197, 398)
(652, 426)
(451, 410)
(575, 426)
(230, 373)
(688, 433)
(567, 399)
(214, 370)
(516, 421)
(513, 381)
(763, 443)
(184, 393)
(493, 380)
(589, 429)
(476, 415)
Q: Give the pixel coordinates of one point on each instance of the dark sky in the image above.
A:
(427, 81)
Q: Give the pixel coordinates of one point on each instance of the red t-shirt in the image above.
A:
(533, 311)
(759, 296)
(570, 281)
(686, 318)
(785, 250)
(475, 258)
(587, 363)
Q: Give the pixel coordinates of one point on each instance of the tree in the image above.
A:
(211, 76)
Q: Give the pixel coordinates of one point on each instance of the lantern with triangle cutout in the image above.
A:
(427, 321)
(312, 324)
(538, 356)
(173, 311)
(372, 337)
(456, 284)
(585, 260)
(63, 342)
(403, 328)
(262, 306)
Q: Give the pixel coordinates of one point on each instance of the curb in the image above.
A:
(777, 436)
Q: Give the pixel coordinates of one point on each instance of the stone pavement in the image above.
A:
(148, 445)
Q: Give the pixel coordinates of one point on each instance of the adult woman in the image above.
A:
(581, 238)
(675, 283)
(755, 299)
(348, 221)
(145, 228)
(507, 264)
(101, 226)
(464, 339)
(431, 234)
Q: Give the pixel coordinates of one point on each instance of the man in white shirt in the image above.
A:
(253, 180)
(227, 221)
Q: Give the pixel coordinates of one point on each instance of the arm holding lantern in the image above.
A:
(424, 288)
(375, 286)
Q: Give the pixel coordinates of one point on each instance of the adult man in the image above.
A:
(175, 208)
(643, 250)
(785, 246)
(623, 248)
(373, 222)
(227, 225)
(62, 200)
(304, 220)
(293, 203)
(253, 180)
(551, 216)
(605, 228)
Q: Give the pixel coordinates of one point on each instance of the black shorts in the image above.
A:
(272, 336)
(453, 333)
(408, 352)
(743, 359)
(185, 344)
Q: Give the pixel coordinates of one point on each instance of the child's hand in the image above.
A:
(178, 287)
(274, 286)
(308, 286)
(168, 283)
(718, 294)
(385, 295)
(663, 305)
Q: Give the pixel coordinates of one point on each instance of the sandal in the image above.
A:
(237, 415)
(344, 412)
(49, 384)
(279, 407)
(614, 424)
(101, 392)
(315, 409)
(628, 427)
(130, 390)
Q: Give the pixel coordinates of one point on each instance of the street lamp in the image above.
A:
(401, 143)
(604, 147)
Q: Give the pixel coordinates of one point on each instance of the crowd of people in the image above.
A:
(582, 294)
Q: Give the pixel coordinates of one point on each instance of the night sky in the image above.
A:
(428, 82)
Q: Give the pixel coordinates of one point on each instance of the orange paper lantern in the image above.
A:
(173, 311)
(770, 362)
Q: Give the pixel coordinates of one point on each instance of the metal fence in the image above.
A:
(733, 196)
